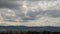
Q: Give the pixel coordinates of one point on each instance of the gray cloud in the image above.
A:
(41, 0)
(8, 4)
(18, 9)
(49, 13)
(53, 13)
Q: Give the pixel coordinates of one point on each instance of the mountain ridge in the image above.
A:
(26, 28)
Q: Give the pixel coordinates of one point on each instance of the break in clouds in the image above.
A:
(28, 10)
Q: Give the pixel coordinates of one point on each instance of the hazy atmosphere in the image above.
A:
(30, 12)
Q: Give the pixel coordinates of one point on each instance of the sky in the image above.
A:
(30, 12)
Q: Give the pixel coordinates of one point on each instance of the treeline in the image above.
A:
(28, 32)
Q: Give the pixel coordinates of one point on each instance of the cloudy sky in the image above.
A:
(30, 12)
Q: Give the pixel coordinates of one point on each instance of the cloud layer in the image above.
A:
(28, 10)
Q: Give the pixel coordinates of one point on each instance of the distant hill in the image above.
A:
(25, 28)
